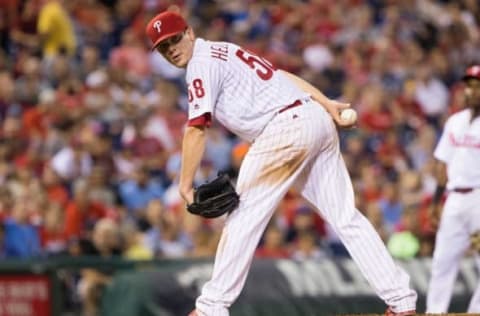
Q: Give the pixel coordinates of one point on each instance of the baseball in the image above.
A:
(349, 115)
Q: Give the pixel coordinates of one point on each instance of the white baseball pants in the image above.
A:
(460, 218)
(298, 147)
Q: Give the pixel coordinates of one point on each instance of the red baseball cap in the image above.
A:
(165, 25)
(472, 72)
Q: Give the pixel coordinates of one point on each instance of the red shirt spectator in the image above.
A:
(53, 237)
(390, 151)
(378, 121)
(273, 245)
(81, 214)
(131, 56)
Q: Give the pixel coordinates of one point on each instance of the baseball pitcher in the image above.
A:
(293, 142)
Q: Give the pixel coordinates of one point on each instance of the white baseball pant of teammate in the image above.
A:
(458, 153)
(460, 218)
(293, 142)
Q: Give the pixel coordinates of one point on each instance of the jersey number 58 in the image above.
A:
(263, 67)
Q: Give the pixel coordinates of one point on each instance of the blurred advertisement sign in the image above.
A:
(25, 295)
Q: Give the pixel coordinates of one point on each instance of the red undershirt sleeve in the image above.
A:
(203, 120)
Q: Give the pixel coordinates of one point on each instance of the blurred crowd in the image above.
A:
(91, 120)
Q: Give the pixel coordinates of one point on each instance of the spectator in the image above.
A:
(135, 249)
(36, 120)
(431, 94)
(8, 14)
(53, 236)
(131, 56)
(175, 243)
(6, 203)
(218, 149)
(97, 97)
(370, 185)
(390, 206)
(355, 152)
(99, 189)
(305, 219)
(82, 213)
(205, 241)
(54, 187)
(136, 193)
(273, 244)
(145, 146)
(105, 243)
(72, 161)
(411, 189)
(162, 101)
(8, 105)
(306, 248)
(30, 84)
(421, 148)
(154, 215)
(391, 156)
(3, 253)
(60, 75)
(56, 29)
(89, 60)
(22, 239)
(375, 215)
(374, 116)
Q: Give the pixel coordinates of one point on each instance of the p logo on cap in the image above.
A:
(165, 25)
(157, 25)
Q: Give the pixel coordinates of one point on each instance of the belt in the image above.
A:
(287, 107)
(463, 190)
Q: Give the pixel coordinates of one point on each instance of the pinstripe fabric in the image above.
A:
(298, 146)
(327, 185)
(238, 98)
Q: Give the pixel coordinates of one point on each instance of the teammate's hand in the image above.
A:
(335, 107)
(435, 212)
(475, 240)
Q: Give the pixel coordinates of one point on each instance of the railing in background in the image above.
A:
(169, 287)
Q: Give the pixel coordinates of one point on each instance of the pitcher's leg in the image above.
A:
(240, 237)
(236, 248)
(329, 188)
(267, 173)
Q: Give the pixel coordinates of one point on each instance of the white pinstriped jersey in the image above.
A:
(240, 89)
(298, 147)
(459, 148)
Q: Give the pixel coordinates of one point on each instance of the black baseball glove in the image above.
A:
(215, 198)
